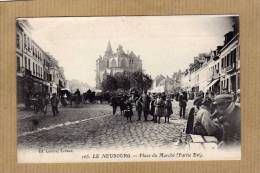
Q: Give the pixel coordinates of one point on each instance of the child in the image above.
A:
(128, 110)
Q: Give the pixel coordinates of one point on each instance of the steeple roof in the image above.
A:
(109, 50)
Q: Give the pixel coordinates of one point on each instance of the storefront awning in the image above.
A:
(213, 83)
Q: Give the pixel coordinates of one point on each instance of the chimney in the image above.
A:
(228, 37)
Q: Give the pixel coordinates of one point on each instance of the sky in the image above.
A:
(165, 44)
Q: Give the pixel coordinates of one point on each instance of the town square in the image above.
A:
(128, 82)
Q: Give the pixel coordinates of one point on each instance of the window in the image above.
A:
(227, 84)
(113, 63)
(238, 81)
(25, 45)
(228, 59)
(29, 64)
(123, 63)
(222, 63)
(36, 70)
(234, 56)
(33, 69)
(29, 44)
(18, 64)
(25, 62)
(18, 41)
(237, 53)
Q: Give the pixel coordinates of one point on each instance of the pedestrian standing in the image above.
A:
(192, 114)
(114, 103)
(183, 103)
(122, 100)
(139, 108)
(77, 97)
(54, 104)
(128, 112)
(152, 107)
(145, 104)
(159, 106)
(45, 102)
(168, 109)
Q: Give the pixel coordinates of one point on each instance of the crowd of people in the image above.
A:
(215, 115)
(156, 105)
(211, 115)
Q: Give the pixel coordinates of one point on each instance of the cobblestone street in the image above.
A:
(93, 126)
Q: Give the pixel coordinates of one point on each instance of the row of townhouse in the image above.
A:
(37, 71)
(217, 71)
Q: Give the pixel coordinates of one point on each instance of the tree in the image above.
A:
(109, 83)
(123, 80)
(126, 80)
(141, 81)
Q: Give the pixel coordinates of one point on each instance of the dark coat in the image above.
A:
(54, 101)
(231, 126)
(182, 100)
(168, 108)
(128, 109)
(190, 122)
(114, 101)
(145, 102)
(139, 105)
(152, 107)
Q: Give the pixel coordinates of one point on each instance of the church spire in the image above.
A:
(109, 50)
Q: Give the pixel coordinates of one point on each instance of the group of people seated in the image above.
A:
(218, 116)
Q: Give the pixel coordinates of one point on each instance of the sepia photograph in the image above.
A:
(128, 88)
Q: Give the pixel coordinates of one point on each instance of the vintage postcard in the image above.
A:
(121, 89)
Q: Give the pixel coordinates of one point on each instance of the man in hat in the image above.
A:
(114, 103)
(183, 103)
(204, 124)
(145, 99)
(54, 104)
(229, 118)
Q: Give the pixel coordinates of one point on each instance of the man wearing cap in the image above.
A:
(204, 124)
(229, 118)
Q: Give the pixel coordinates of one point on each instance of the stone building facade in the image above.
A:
(34, 66)
(114, 62)
(217, 71)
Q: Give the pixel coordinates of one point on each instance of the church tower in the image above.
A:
(109, 51)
